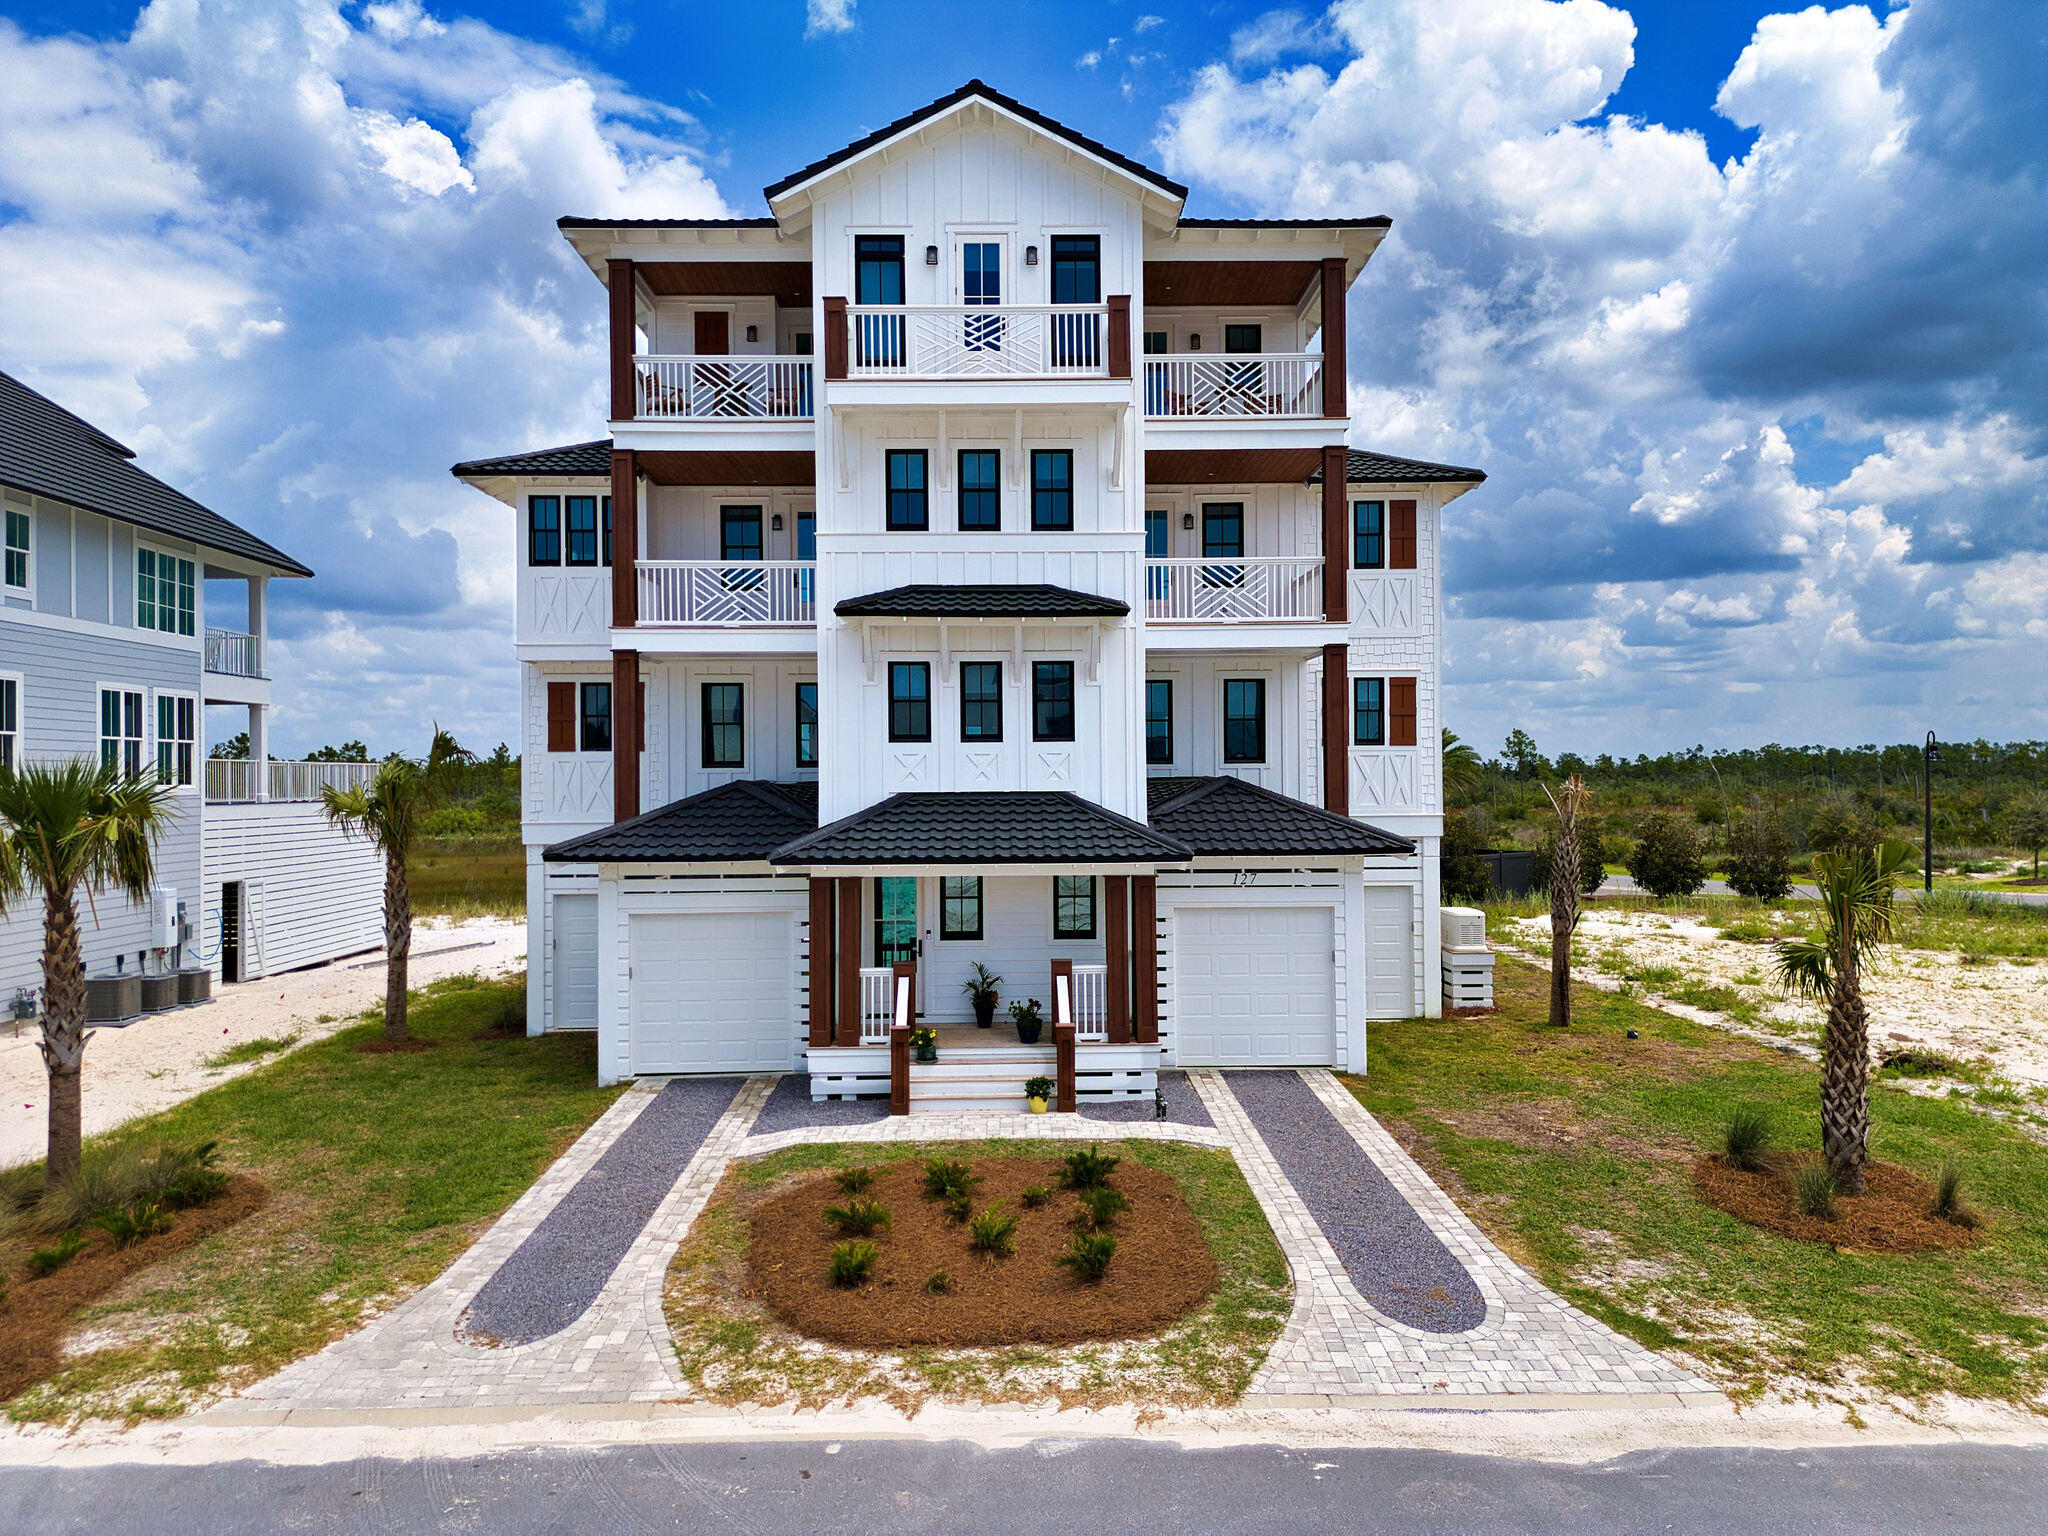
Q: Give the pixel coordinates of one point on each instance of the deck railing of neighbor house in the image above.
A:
(727, 592)
(231, 653)
(968, 341)
(231, 780)
(731, 388)
(1234, 590)
(1234, 385)
(877, 1004)
(1091, 1003)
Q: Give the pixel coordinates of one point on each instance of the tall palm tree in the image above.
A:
(1462, 768)
(1569, 801)
(1856, 917)
(63, 826)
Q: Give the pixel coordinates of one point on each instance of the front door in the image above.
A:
(896, 923)
(980, 264)
(714, 333)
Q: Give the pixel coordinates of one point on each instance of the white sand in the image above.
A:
(161, 1058)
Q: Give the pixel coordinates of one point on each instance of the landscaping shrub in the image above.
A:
(1948, 1201)
(47, 1261)
(1592, 858)
(859, 1217)
(853, 1181)
(946, 1177)
(1758, 862)
(1919, 1062)
(1036, 1196)
(1666, 858)
(852, 1264)
(107, 1178)
(993, 1232)
(1086, 1167)
(1745, 1138)
(938, 1283)
(183, 1178)
(1813, 1191)
(1101, 1206)
(132, 1223)
(959, 1206)
(1088, 1255)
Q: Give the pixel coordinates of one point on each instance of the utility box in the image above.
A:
(163, 918)
(1467, 961)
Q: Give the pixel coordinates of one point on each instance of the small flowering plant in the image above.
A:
(923, 1039)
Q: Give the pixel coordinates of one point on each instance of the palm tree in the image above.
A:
(1569, 802)
(1462, 768)
(64, 825)
(1856, 917)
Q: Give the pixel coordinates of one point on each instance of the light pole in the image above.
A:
(1930, 754)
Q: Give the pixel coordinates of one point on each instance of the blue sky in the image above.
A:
(1739, 306)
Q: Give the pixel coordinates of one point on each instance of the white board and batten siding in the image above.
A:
(310, 894)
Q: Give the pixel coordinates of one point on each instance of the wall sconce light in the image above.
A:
(775, 522)
(753, 333)
(1187, 521)
(1030, 255)
(1194, 341)
(931, 255)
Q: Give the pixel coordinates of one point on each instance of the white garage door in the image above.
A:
(575, 962)
(1255, 987)
(1389, 953)
(712, 993)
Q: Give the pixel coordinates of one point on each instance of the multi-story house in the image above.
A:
(127, 610)
(977, 572)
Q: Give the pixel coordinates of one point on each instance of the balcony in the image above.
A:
(1242, 387)
(1261, 589)
(230, 653)
(237, 781)
(723, 389)
(726, 594)
(1007, 341)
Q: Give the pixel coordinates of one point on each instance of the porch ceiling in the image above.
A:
(1209, 283)
(729, 468)
(1233, 466)
(787, 282)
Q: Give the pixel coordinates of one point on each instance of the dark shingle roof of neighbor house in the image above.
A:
(954, 98)
(1386, 468)
(47, 451)
(738, 823)
(981, 602)
(579, 461)
(984, 827)
(1226, 815)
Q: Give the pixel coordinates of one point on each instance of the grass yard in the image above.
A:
(734, 1352)
(1573, 1149)
(463, 877)
(382, 1168)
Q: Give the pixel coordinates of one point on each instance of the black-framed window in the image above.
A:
(121, 725)
(960, 906)
(878, 269)
(1158, 720)
(981, 701)
(739, 534)
(909, 506)
(1223, 529)
(1244, 338)
(1052, 701)
(579, 518)
(1052, 489)
(725, 732)
(17, 548)
(1369, 535)
(1369, 711)
(981, 502)
(1244, 720)
(594, 718)
(910, 701)
(807, 725)
(1077, 269)
(1073, 906)
(1157, 343)
(543, 530)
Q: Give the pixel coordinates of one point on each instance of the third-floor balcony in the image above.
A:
(1257, 589)
(726, 594)
(943, 341)
(231, 653)
(1226, 387)
(725, 388)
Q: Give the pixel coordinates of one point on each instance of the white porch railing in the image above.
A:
(1249, 590)
(732, 388)
(1091, 1003)
(888, 341)
(235, 779)
(1264, 384)
(233, 654)
(728, 592)
(877, 1004)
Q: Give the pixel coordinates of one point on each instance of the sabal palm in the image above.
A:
(1855, 917)
(1462, 768)
(66, 826)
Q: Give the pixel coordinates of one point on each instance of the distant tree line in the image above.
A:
(480, 797)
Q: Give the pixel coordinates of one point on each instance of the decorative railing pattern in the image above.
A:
(732, 388)
(877, 1004)
(1246, 590)
(1234, 385)
(237, 780)
(1091, 1003)
(231, 653)
(970, 341)
(727, 592)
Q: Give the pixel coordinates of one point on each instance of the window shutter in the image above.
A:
(639, 714)
(1401, 535)
(561, 717)
(1401, 711)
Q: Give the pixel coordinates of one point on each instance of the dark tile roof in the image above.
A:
(1224, 815)
(1385, 468)
(734, 823)
(573, 221)
(47, 451)
(577, 460)
(977, 602)
(1376, 221)
(954, 98)
(992, 827)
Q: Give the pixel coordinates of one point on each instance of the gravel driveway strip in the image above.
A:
(790, 1107)
(553, 1277)
(1183, 1105)
(1392, 1257)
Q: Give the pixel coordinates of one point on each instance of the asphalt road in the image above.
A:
(1622, 885)
(1059, 1487)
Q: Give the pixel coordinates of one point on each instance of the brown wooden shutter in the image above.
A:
(561, 717)
(1401, 710)
(1401, 535)
(640, 713)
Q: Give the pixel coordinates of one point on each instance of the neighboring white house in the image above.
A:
(115, 603)
(992, 583)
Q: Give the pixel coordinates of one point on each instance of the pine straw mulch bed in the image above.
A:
(1894, 1214)
(38, 1309)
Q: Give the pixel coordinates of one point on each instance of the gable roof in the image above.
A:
(952, 99)
(738, 823)
(1024, 601)
(972, 827)
(1224, 815)
(1367, 468)
(580, 461)
(47, 451)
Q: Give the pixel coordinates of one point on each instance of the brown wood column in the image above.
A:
(1336, 404)
(899, 1069)
(822, 955)
(1337, 729)
(1336, 538)
(847, 951)
(1116, 917)
(624, 316)
(625, 539)
(1120, 336)
(1145, 959)
(625, 735)
(1063, 1069)
(834, 345)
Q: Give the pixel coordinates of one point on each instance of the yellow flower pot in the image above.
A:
(1038, 1106)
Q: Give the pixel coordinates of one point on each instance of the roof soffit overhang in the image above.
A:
(598, 242)
(1193, 240)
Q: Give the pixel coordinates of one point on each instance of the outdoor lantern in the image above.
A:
(1194, 341)
(1030, 255)
(1187, 521)
(753, 333)
(775, 522)
(931, 255)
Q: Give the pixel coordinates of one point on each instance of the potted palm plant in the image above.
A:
(980, 987)
(1027, 1018)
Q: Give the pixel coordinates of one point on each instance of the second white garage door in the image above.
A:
(1254, 987)
(712, 993)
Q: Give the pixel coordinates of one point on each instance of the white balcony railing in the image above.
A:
(1018, 341)
(877, 1004)
(734, 388)
(1234, 386)
(1091, 1003)
(727, 592)
(235, 779)
(1258, 589)
(233, 654)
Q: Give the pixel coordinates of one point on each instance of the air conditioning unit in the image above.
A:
(163, 918)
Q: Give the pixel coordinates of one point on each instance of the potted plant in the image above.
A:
(980, 988)
(1026, 1017)
(924, 1045)
(1039, 1091)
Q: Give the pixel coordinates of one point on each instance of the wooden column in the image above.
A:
(624, 317)
(625, 735)
(847, 949)
(1335, 403)
(899, 1069)
(625, 538)
(1336, 539)
(1120, 336)
(1116, 925)
(1063, 1068)
(835, 338)
(1052, 993)
(822, 954)
(1337, 729)
(1145, 959)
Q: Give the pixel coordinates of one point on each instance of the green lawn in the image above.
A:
(1573, 1149)
(468, 877)
(382, 1169)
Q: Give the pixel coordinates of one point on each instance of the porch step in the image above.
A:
(984, 1077)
